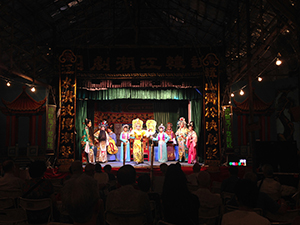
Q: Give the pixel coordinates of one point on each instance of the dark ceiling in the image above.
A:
(252, 33)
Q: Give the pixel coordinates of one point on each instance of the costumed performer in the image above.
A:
(125, 140)
(181, 135)
(162, 139)
(191, 142)
(171, 142)
(112, 148)
(103, 139)
(137, 134)
(87, 142)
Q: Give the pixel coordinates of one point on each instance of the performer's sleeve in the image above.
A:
(195, 138)
(123, 140)
(167, 137)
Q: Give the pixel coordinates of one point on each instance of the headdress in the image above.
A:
(86, 121)
(180, 121)
(169, 124)
(191, 124)
(161, 126)
(125, 125)
(136, 122)
(103, 124)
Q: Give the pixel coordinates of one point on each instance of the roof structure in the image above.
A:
(252, 33)
(23, 104)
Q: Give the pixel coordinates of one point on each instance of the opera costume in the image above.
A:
(87, 141)
(112, 147)
(103, 139)
(171, 142)
(137, 134)
(181, 135)
(162, 139)
(191, 143)
(125, 141)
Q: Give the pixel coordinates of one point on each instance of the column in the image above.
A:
(263, 131)
(13, 131)
(239, 131)
(40, 123)
(7, 131)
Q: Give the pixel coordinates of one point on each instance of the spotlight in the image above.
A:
(259, 79)
(242, 92)
(232, 94)
(32, 89)
(8, 84)
(278, 62)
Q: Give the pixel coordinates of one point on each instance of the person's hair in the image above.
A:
(144, 182)
(76, 167)
(8, 166)
(267, 170)
(37, 169)
(196, 168)
(163, 167)
(251, 176)
(233, 170)
(126, 175)
(79, 196)
(98, 168)
(107, 168)
(90, 169)
(204, 179)
(87, 121)
(246, 192)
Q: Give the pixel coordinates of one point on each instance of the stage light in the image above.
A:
(232, 94)
(8, 84)
(259, 79)
(242, 92)
(278, 62)
(32, 89)
(229, 102)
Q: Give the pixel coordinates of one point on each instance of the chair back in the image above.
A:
(14, 193)
(7, 203)
(209, 216)
(125, 218)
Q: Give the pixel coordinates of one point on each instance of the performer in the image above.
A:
(103, 139)
(113, 136)
(162, 139)
(87, 142)
(137, 134)
(171, 142)
(191, 143)
(125, 137)
(181, 135)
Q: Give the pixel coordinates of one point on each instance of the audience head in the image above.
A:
(8, 166)
(98, 168)
(267, 170)
(37, 169)
(246, 193)
(204, 179)
(76, 167)
(80, 197)
(163, 168)
(107, 168)
(233, 170)
(251, 176)
(90, 169)
(126, 175)
(196, 167)
(144, 182)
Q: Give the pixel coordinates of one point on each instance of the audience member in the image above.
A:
(179, 205)
(127, 198)
(101, 178)
(107, 169)
(268, 184)
(193, 178)
(89, 169)
(80, 197)
(9, 181)
(158, 181)
(247, 194)
(228, 184)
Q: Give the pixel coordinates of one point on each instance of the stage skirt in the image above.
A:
(138, 154)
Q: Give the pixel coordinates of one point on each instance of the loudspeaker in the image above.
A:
(282, 155)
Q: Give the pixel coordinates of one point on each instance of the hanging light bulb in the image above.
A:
(229, 102)
(278, 62)
(259, 79)
(232, 94)
(32, 89)
(8, 84)
(242, 92)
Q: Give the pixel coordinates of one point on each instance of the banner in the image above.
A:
(50, 129)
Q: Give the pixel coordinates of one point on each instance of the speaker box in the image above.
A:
(282, 155)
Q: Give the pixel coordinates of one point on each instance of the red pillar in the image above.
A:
(13, 131)
(244, 130)
(263, 131)
(32, 130)
(40, 120)
(7, 131)
(239, 131)
(268, 128)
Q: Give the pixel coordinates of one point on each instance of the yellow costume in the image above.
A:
(137, 134)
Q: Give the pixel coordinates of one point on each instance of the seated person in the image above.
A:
(229, 183)
(193, 178)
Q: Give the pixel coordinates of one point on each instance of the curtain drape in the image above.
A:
(196, 111)
(81, 114)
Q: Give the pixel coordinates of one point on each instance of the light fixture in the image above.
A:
(229, 102)
(8, 84)
(32, 89)
(259, 79)
(242, 92)
(232, 94)
(278, 62)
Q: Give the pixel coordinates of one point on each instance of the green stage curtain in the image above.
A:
(146, 94)
(196, 111)
(81, 115)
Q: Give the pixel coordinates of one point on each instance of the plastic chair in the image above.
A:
(125, 218)
(7, 203)
(35, 207)
(209, 216)
(11, 193)
(13, 216)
